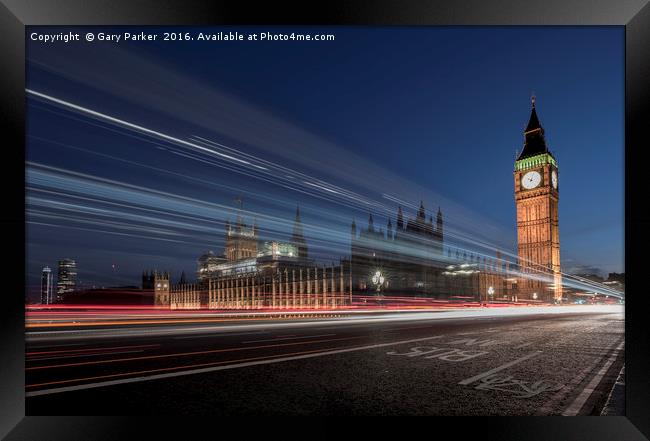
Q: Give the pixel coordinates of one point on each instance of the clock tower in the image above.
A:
(538, 234)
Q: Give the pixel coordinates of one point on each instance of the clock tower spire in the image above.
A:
(536, 198)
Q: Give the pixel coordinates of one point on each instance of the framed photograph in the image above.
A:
(356, 209)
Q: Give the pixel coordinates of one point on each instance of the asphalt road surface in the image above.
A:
(523, 362)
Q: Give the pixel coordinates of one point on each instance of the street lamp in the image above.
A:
(490, 292)
(378, 279)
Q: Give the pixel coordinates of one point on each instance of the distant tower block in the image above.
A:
(67, 279)
(161, 289)
(538, 233)
(46, 286)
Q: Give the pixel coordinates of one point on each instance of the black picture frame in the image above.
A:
(633, 14)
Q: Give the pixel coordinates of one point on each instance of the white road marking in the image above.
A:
(519, 388)
(553, 402)
(477, 332)
(581, 399)
(289, 338)
(500, 368)
(217, 368)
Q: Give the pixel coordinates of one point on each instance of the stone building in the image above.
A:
(412, 260)
(536, 198)
(159, 283)
(241, 240)
(409, 257)
(254, 274)
(275, 285)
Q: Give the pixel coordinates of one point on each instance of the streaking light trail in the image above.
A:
(190, 220)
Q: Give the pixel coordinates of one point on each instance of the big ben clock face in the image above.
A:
(554, 179)
(531, 180)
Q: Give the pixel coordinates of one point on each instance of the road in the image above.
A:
(528, 361)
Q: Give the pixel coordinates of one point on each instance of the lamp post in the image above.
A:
(378, 279)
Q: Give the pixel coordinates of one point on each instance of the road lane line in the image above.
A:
(289, 338)
(207, 369)
(478, 332)
(554, 401)
(581, 399)
(500, 368)
(183, 354)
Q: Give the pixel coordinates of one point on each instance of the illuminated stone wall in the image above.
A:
(289, 287)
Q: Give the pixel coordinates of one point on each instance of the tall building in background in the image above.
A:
(46, 286)
(298, 238)
(538, 234)
(241, 240)
(67, 279)
(161, 289)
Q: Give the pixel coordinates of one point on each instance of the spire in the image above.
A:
(400, 218)
(354, 229)
(535, 143)
(533, 122)
(298, 237)
(240, 220)
(421, 214)
(389, 230)
(371, 224)
(182, 281)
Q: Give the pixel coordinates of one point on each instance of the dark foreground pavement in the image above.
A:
(537, 364)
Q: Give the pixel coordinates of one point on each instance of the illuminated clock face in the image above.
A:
(554, 179)
(531, 179)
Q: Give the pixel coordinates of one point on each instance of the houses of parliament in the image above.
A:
(254, 274)
(408, 258)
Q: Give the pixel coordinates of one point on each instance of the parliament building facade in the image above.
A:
(412, 260)
(259, 275)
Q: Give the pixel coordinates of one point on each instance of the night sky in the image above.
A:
(415, 113)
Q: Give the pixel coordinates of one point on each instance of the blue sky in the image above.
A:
(440, 109)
